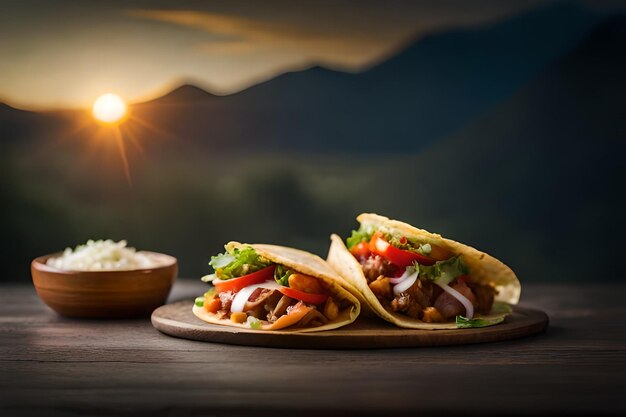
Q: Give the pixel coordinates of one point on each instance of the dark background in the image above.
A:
(509, 136)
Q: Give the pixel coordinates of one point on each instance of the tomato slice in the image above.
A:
(361, 250)
(464, 278)
(304, 296)
(400, 257)
(236, 284)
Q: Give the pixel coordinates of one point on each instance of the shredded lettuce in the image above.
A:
(443, 272)
(364, 234)
(497, 315)
(410, 245)
(424, 249)
(254, 323)
(208, 278)
(465, 323)
(282, 274)
(237, 262)
(221, 260)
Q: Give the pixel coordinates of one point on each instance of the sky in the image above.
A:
(64, 54)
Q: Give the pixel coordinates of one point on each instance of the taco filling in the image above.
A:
(419, 280)
(252, 291)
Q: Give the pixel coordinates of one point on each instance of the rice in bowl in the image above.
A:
(104, 255)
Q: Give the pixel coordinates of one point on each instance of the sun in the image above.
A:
(109, 108)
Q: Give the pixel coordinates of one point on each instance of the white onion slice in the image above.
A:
(469, 308)
(406, 283)
(241, 298)
(407, 273)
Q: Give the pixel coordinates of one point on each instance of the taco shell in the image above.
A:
(484, 268)
(305, 263)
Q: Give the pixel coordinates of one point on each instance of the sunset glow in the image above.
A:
(142, 48)
(109, 108)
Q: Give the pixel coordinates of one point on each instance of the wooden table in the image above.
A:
(56, 366)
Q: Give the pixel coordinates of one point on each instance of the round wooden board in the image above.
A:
(178, 320)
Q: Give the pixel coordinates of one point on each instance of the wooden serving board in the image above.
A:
(178, 320)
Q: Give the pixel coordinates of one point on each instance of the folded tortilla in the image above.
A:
(483, 269)
(305, 263)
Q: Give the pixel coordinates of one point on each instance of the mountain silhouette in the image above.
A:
(8, 112)
(508, 137)
(25, 126)
(539, 180)
(184, 94)
(426, 92)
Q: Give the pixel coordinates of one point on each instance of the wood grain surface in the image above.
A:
(53, 366)
(177, 320)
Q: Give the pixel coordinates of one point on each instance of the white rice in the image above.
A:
(104, 255)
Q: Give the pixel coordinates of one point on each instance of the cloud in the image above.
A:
(213, 23)
(227, 47)
(233, 35)
(341, 34)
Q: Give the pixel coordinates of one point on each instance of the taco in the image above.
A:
(417, 279)
(267, 287)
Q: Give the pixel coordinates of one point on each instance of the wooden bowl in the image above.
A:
(104, 294)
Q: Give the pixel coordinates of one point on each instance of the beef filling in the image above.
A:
(375, 266)
(415, 299)
(449, 306)
(424, 300)
(484, 296)
(270, 305)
